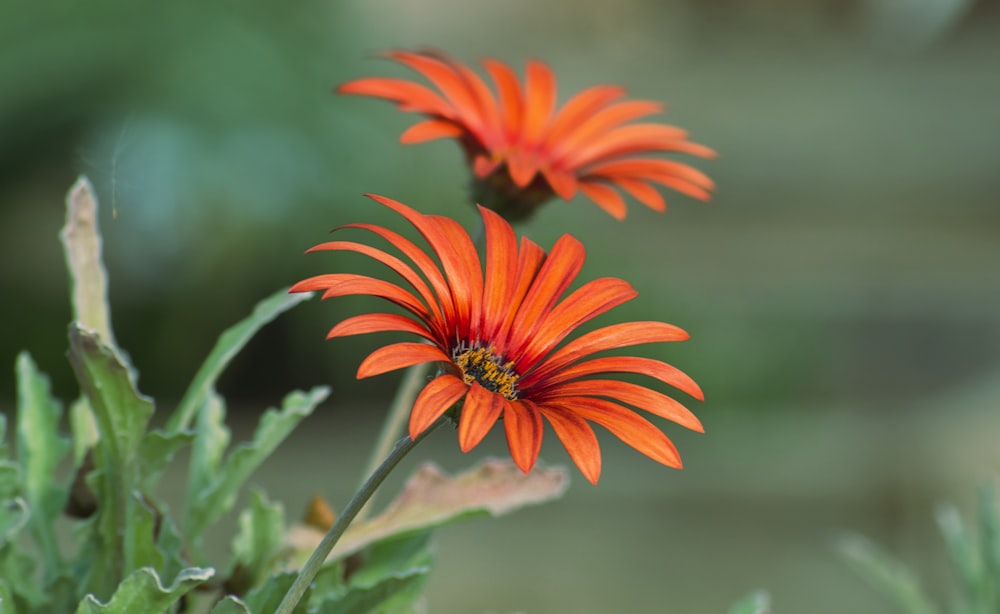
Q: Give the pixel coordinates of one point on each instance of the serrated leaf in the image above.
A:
(81, 240)
(122, 415)
(17, 567)
(391, 579)
(10, 480)
(170, 544)
(268, 596)
(207, 452)
(7, 605)
(140, 538)
(219, 495)
(83, 427)
(40, 448)
(156, 452)
(431, 498)
(229, 344)
(758, 602)
(230, 605)
(885, 574)
(142, 591)
(14, 515)
(258, 541)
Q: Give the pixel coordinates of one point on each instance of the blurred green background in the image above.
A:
(841, 289)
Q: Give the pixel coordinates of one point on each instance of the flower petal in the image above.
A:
(529, 260)
(410, 96)
(626, 425)
(377, 323)
(509, 90)
(430, 130)
(606, 197)
(501, 271)
(480, 412)
(347, 284)
(578, 109)
(578, 439)
(607, 338)
(400, 355)
(434, 400)
(642, 192)
(656, 369)
(585, 303)
(523, 423)
(539, 101)
(626, 392)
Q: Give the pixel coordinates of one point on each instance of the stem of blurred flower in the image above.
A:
(318, 557)
(402, 403)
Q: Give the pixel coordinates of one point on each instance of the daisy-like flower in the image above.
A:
(496, 338)
(523, 150)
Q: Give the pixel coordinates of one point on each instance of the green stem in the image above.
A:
(318, 557)
(395, 422)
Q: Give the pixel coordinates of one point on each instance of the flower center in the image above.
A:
(482, 365)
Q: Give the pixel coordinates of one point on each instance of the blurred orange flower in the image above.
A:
(523, 150)
(496, 336)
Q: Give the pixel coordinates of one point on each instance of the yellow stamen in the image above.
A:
(482, 365)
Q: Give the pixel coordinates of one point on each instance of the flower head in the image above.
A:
(523, 150)
(497, 338)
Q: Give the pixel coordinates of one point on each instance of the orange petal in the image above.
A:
(424, 262)
(585, 303)
(607, 338)
(397, 265)
(501, 270)
(377, 323)
(449, 82)
(529, 260)
(601, 122)
(578, 109)
(563, 183)
(558, 271)
(410, 96)
(606, 197)
(626, 392)
(521, 167)
(626, 425)
(523, 424)
(656, 369)
(578, 439)
(539, 101)
(642, 192)
(467, 283)
(346, 284)
(434, 400)
(651, 167)
(430, 130)
(480, 412)
(400, 355)
(509, 90)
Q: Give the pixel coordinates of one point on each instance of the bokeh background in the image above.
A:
(841, 289)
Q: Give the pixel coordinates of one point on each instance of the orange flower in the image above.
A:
(496, 338)
(523, 151)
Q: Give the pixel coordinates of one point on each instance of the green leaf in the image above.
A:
(40, 448)
(431, 499)
(230, 605)
(3, 436)
(268, 596)
(140, 538)
(142, 591)
(218, 496)
(885, 574)
(121, 414)
(17, 567)
(155, 453)
(83, 426)
(258, 542)
(10, 479)
(81, 240)
(7, 605)
(229, 344)
(14, 515)
(207, 452)
(758, 602)
(391, 580)
(170, 544)
(964, 554)
(989, 536)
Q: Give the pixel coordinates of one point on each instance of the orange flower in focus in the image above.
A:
(523, 150)
(497, 340)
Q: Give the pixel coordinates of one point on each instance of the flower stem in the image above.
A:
(318, 557)
(395, 422)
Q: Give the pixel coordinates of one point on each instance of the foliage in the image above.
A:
(975, 560)
(131, 550)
